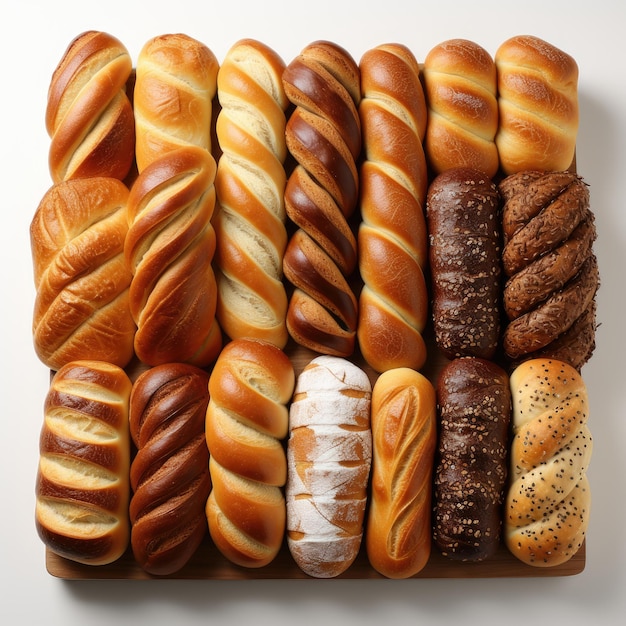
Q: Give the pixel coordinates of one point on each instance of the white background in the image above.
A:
(35, 35)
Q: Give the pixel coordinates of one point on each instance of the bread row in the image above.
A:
(322, 464)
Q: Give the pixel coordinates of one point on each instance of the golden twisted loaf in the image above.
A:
(169, 247)
(89, 116)
(548, 499)
(250, 185)
(82, 308)
(246, 423)
(404, 437)
(537, 105)
(392, 238)
(176, 81)
(461, 92)
(169, 474)
(82, 488)
(323, 135)
(551, 270)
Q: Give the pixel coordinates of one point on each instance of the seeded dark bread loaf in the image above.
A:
(548, 499)
(471, 468)
(170, 472)
(463, 220)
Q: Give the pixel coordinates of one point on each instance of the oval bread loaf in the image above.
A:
(82, 488)
(329, 458)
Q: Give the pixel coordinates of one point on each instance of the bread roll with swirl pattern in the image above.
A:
(82, 309)
(246, 423)
(392, 237)
(323, 135)
(250, 185)
(82, 487)
(461, 91)
(169, 247)
(548, 499)
(176, 81)
(537, 105)
(404, 438)
(89, 116)
(169, 474)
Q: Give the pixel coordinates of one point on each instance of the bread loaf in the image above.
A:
(250, 185)
(328, 458)
(89, 117)
(169, 474)
(82, 308)
(169, 248)
(82, 487)
(461, 92)
(464, 255)
(392, 238)
(548, 499)
(323, 136)
(175, 84)
(537, 105)
(404, 437)
(551, 270)
(471, 471)
(246, 425)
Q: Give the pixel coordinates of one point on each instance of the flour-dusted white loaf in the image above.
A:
(329, 455)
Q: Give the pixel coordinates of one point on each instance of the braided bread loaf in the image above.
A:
(89, 116)
(460, 86)
(250, 185)
(323, 135)
(169, 474)
(82, 306)
(176, 81)
(169, 247)
(392, 238)
(548, 499)
(537, 105)
(551, 270)
(82, 488)
(246, 423)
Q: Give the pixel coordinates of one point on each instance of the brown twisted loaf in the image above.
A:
(471, 470)
(551, 269)
(323, 135)
(460, 85)
(82, 302)
(169, 474)
(404, 438)
(82, 488)
(169, 248)
(464, 230)
(246, 423)
(89, 116)
(250, 184)
(176, 81)
(392, 238)
(548, 499)
(537, 105)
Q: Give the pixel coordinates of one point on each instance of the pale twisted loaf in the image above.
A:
(246, 423)
(250, 185)
(323, 135)
(548, 499)
(82, 308)
(392, 238)
(460, 87)
(89, 116)
(169, 247)
(176, 81)
(82, 488)
(169, 474)
(537, 105)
